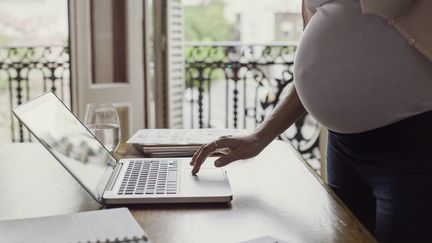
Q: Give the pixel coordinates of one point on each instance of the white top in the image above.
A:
(355, 72)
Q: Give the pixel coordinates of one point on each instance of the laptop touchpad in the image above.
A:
(206, 182)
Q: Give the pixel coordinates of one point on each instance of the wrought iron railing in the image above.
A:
(236, 86)
(30, 71)
(227, 85)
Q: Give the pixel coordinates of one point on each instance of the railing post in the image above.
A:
(236, 69)
(200, 96)
(19, 100)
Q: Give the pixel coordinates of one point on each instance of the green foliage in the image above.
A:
(209, 75)
(206, 22)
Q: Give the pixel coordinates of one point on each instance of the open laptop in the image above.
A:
(111, 181)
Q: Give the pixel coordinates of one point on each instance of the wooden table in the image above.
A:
(274, 194)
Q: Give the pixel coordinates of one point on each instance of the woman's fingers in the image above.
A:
(204, 152)
(236, 148)
(195, 155)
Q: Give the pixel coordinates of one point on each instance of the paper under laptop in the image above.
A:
(186, 137)
(178, 142)
(112, 181)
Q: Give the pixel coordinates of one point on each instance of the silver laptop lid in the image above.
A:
(69, 141)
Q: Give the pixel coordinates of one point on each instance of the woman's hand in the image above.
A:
(238, 148)
(289, 110)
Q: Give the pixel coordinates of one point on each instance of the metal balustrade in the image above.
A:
(229, 85)
(30, 71)
(235, 85)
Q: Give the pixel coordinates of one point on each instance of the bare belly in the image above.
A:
(354, 72)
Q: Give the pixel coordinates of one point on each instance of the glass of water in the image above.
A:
(103, 121)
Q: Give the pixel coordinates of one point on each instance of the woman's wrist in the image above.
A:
(263, 136)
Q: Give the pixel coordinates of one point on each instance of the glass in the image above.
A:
(102, 120)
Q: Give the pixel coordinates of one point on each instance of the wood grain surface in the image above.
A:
(274, 194)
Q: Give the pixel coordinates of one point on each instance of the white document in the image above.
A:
(110, 225)
(264, 239)
(158, 137)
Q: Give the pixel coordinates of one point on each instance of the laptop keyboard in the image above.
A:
(150, 177)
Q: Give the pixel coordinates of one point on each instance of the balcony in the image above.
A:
(227, 85)
(26, 72)
(234, 85)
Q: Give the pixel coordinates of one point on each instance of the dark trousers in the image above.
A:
(385, 177)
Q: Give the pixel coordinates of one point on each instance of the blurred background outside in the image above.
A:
(44, 23)
(241, 48)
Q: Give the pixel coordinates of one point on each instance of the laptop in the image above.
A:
(112, 181)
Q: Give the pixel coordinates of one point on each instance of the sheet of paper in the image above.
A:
(92, 226)
(181, 136)
(264, 239)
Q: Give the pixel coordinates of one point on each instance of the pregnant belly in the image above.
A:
(354, 72)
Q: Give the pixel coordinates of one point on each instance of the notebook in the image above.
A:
(110, 225)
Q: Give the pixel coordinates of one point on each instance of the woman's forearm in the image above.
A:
(288, 111)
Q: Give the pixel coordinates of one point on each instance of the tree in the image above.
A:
(206, 22)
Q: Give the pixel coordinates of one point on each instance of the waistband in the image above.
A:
(414, 132)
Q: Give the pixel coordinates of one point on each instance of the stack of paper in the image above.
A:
(177, 142)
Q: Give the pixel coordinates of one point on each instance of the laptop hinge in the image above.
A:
(114, 176)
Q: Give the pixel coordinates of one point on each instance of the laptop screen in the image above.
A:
(69, 141)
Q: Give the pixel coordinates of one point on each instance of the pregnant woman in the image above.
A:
(363, 69)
